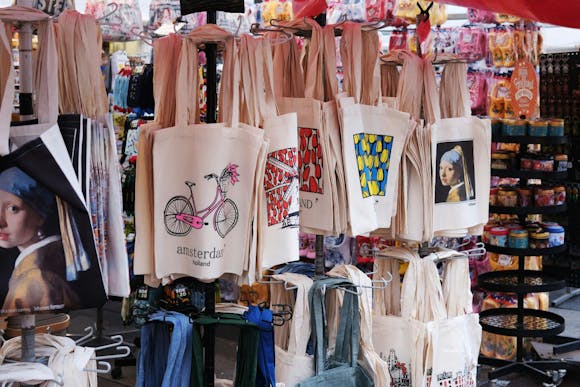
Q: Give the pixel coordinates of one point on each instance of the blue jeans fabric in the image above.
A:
(308, 269)
(163, 360)
(266, 376)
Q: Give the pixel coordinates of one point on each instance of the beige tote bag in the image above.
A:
(315, 183)
(293, 364)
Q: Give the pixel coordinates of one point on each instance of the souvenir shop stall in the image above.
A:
(353, 192)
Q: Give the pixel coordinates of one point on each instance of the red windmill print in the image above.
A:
(281, 186)
(310, 161)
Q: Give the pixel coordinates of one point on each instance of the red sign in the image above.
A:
(524, 90)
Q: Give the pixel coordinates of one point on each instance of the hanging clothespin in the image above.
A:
(423, 26)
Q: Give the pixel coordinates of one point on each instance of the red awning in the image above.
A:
(559, 12)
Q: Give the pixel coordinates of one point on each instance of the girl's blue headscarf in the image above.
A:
(18, 183)
(453, 157)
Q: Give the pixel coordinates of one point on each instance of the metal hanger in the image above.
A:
(119, 340)
(86, 337)
(126, 352)
(105, 370)
(116, 8)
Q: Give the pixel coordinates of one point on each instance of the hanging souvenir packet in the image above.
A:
(120, 20)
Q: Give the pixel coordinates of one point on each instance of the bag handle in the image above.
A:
(7, 91)
(187, 97)
(371, 75)
(351, 55)
(229, 92)
(330, 81)
(434, 303)
(167, 51)
(300, 324)
(314, 78)
(347, 322)
(431, 106)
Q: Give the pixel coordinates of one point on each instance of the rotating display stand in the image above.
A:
(522, 322)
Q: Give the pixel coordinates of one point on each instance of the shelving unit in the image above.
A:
(522, 322)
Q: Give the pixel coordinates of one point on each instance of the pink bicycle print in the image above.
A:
(181, 213)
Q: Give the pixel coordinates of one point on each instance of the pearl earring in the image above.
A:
(40, 234)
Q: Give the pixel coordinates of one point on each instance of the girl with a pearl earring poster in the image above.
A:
(455, 172)
(37, 225)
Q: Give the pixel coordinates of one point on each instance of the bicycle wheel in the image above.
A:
(177, 205)
(225, 218)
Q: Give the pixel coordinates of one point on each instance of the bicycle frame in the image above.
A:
(217, 201)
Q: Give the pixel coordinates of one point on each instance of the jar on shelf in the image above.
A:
(485, 236)
(561, 162)
(507, 197)
(514, 127)
(544, 163)
(559, 195)
(498, 236)
(496, 126)
(518, 239)
(556, 127)
(527, 162)
(538, 128)
(557, 235)
(493, 196)
(544, 197)
(500, 160)
(539, 240)
(525, 197)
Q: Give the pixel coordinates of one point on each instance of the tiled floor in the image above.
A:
(226, 349)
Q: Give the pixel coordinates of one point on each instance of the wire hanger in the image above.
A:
(116, 8)
(105, 370)
(86, 337)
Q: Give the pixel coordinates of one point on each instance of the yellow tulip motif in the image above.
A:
(373, 153)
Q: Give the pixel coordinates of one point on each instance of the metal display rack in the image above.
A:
(522, 322)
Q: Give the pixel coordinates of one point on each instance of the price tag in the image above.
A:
(524, 89)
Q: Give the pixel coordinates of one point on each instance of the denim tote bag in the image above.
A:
(341, 368)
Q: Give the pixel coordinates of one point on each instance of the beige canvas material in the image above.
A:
(203, 253)
(389, 80)
(371, 203)
(316, 200)
(165, 48)
(293, 364)
(453, 91)
(277, 238)
(474, 212)
(81, 86)
(387, 301)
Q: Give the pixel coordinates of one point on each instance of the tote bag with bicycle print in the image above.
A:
(204, 179)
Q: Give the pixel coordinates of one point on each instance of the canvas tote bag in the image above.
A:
(342, 367)
(464, 145)
(279, 200)
(293, 364)
(204, 195)
(404, 351)
(60, 259)
(316, 207)
(453, 343)
(167, 51)
(373, 138)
